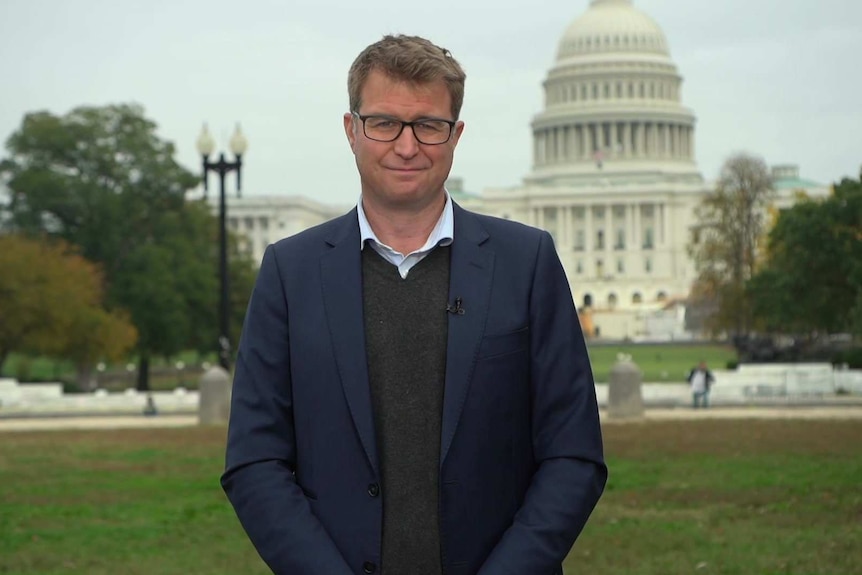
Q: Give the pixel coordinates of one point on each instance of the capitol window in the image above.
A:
(637, 298)
(620, 244)
(648, 239)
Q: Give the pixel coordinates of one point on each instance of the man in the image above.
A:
(700, 379)
(412, 393)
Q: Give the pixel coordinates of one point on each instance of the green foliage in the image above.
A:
(730, 226)
(102, 179)
(812, 281)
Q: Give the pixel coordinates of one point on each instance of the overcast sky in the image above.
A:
(780, 78)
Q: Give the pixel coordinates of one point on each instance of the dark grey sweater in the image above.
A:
(406, 327)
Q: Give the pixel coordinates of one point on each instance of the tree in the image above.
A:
(812, 281)
(172, 286)
(51, 300)
(730, 227)
(101, 178)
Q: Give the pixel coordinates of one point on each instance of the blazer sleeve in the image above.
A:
(567, 441)
(261, 449)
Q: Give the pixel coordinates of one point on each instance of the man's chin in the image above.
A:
(401, 195)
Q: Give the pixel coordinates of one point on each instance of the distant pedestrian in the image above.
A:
(700, 379)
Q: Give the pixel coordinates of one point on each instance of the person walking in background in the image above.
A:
(413, 395)
(700, 379)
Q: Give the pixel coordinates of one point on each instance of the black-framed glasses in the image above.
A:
(429, 131)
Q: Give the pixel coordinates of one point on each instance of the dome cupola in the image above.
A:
(612, 26)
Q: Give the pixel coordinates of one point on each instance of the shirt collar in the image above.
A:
(443, 233)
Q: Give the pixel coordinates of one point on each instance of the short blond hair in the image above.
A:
(409, 59)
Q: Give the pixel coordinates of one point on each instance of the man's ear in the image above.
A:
(457, 131)
(350, 130)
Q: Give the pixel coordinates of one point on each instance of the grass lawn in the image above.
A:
(660, 362)
(730, 497)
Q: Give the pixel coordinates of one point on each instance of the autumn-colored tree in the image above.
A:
(730, 228)
(51, 302)
(96, 335)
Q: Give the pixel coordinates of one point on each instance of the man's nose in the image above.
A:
(406, 145)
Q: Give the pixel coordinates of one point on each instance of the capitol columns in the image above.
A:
(627, 140)
(585, 138)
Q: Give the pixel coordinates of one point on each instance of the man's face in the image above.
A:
(403, 173)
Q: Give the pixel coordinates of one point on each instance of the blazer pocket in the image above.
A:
(505, 343)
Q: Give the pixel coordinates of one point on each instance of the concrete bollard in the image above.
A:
(625, 400)
(214, 397)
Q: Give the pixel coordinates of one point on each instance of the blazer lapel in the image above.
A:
(341, 273)
(471, 270)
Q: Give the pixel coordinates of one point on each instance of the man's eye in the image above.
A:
(431, 127)
(383, 124)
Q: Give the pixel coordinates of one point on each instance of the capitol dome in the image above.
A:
(612, 26)
(613, 105)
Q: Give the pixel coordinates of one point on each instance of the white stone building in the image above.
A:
(614, 178)
(262, 220)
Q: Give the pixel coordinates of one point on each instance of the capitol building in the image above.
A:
(614, 179)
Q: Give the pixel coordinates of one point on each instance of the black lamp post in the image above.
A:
(206, 146)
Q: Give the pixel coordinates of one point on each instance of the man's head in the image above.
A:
(405, 97)
(408, 59)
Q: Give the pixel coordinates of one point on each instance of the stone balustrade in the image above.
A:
(748, 385)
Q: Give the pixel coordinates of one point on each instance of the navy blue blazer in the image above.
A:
(521, 462)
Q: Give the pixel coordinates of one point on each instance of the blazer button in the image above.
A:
(369, 567)
(373, 489)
